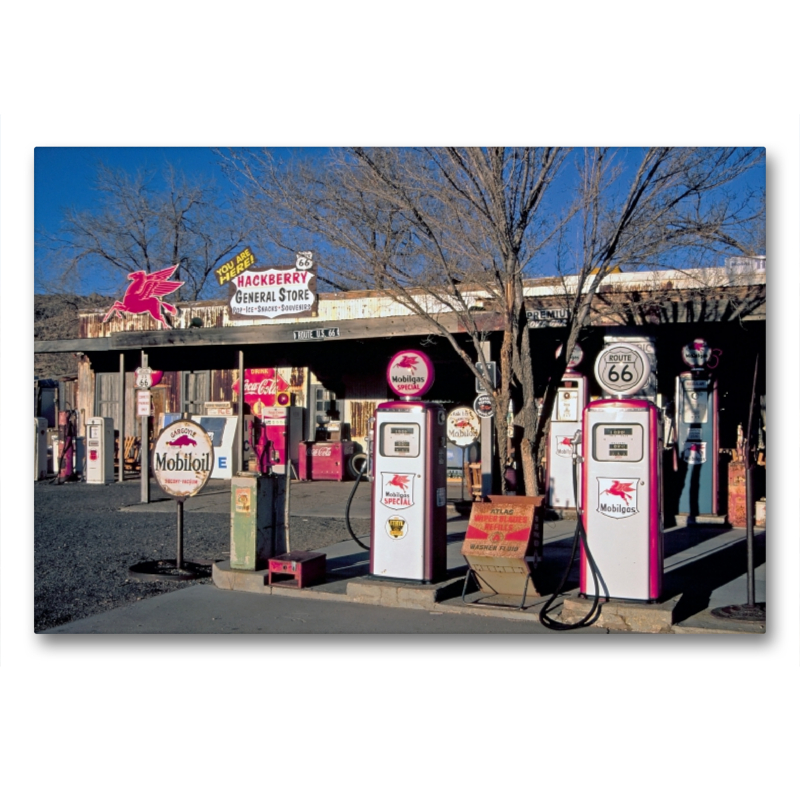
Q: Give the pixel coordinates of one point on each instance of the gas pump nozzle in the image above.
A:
(577, 439)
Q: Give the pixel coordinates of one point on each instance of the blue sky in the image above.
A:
(63, 176)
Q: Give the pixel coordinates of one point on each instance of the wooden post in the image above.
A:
(121, 417)
(145, 450)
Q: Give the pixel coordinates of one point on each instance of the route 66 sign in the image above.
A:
(622, 369)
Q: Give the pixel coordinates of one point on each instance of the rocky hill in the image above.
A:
(55, 316)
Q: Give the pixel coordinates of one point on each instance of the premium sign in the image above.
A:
(547, 317)
(410, 373)
(183, 458)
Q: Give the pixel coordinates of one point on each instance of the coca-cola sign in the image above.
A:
(263, 389)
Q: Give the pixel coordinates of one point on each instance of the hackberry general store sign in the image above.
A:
(275, 291)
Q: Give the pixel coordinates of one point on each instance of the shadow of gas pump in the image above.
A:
(698, 578)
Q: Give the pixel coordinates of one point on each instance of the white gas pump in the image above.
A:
(39, 448)
(100, 450)
(564, 423)
(621, 495)
(408, 538)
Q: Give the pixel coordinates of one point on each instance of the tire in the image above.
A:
(355, 463)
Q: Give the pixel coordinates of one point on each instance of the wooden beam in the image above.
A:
(280, 334)
(70, 345)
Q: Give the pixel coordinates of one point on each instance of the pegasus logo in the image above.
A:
(400, 481)
(620, 489)
(408, 362)
(183, 441)
(145, 294)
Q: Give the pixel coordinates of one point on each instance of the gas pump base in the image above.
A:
(683, 520)
(621, 615)
(402, 594)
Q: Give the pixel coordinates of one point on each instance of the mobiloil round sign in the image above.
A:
(463, 426)
(183, 458)
(622, 369)
(410, 373)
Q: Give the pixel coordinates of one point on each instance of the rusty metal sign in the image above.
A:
(503, 542)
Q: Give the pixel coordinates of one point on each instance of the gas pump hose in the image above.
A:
(580, 535)
(350, 500)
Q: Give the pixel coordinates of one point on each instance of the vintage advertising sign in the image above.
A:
(547, 317)
(463, 426)
(236, 266)
(564, 445)
(618, 498)
(696, 354)
(397, 489)
(263, 389)
(694, 452)
(575, 357)
(410, 373)
(145, 295)
(504, 541)
(622, 369)
(483, 406)
(183, 458)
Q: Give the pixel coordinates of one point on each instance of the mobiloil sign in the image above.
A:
(183, 458)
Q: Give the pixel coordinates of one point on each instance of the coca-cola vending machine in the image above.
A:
(284, 431)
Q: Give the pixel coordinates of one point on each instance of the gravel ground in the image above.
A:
(84, 545)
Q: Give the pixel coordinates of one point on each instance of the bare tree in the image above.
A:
(459, 229)
(142, 223)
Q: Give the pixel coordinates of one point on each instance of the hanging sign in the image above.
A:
(183, 458)
(410, 373)
(463, 426)
(483, 406)
(622, 369)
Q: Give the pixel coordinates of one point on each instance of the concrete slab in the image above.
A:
(619, 615)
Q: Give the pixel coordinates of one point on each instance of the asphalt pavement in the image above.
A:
(704, 569)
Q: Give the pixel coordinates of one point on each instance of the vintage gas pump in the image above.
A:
(564, 423)
(408, 535)
(621, 494)
(39, 448)
(100, 450)
(696, 425)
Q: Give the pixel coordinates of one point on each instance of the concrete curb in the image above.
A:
(445, 597)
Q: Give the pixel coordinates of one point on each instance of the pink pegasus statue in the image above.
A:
(145, 295)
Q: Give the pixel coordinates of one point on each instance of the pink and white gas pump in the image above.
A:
(408, 534)
(621, 495)
(564, 424)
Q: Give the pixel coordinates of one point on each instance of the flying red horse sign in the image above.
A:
(145, 295)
